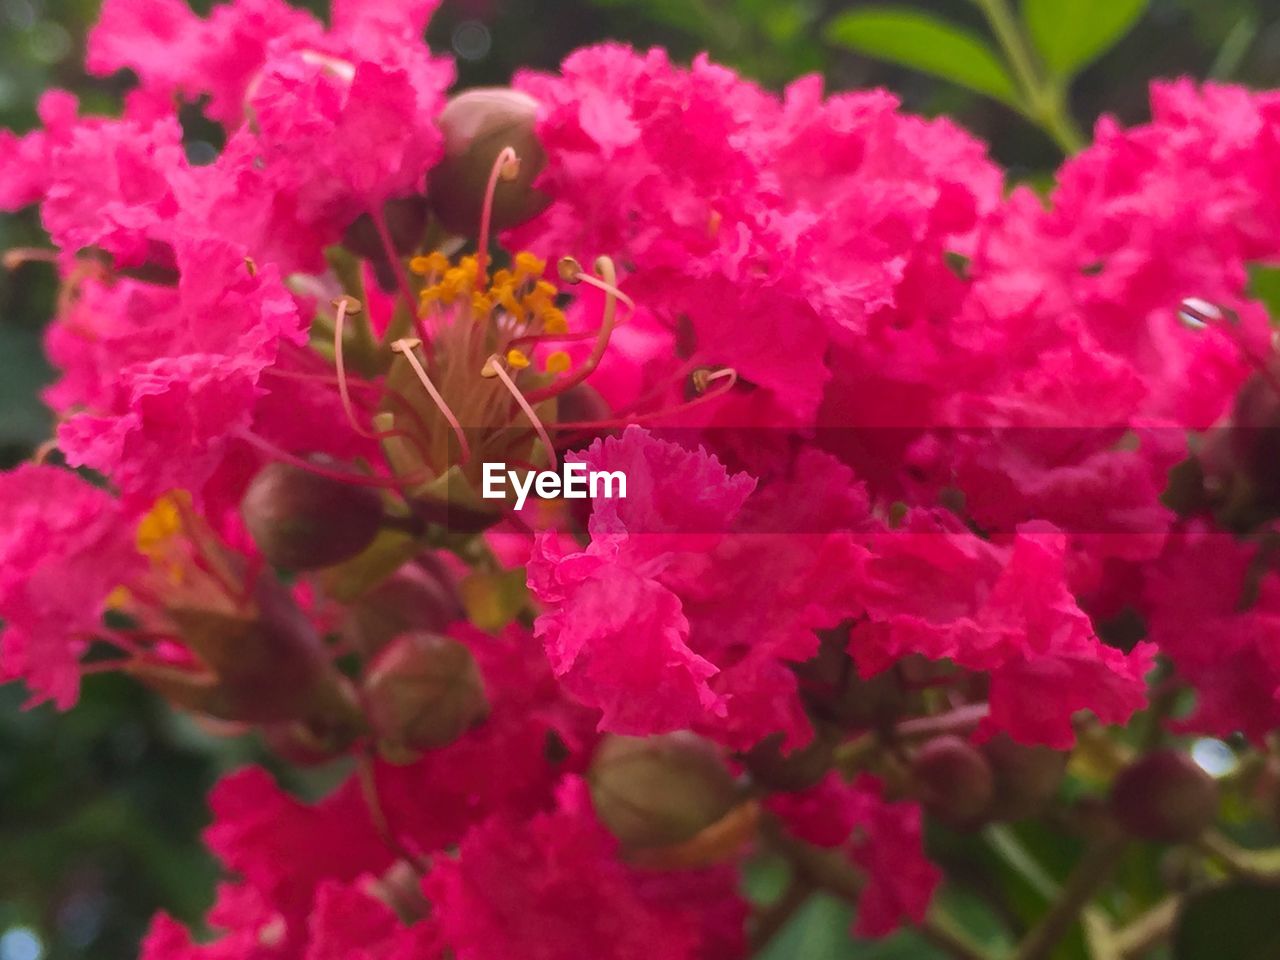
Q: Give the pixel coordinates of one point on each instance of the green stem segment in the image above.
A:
(828, 870)
(1044, 100)
(1090, 873)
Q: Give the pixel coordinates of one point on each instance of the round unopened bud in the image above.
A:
(1164, 796)
(420, 596)
(658, 791)
(953, 780)
(422, 692)
(478, 125)
(304, 521)
(1026, 777)
(800, 769)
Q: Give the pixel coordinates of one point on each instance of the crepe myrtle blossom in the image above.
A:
(632, 473)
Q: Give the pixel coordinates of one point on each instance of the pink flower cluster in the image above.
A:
(883, 424)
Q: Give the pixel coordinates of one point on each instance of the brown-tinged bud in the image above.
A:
(261, 665)
(420, 596)
(304, 745)
(478, 125)
(422, 692)
(953, 780)
(406, 219)
(1164, 796)
(1255, 435)
(1026, 777)
(800, 769)
(658, 791)
(304, 521)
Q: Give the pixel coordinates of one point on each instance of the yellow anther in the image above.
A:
(119, 598)
(569, 269)
(553, 321)
(557, 362)
(527, 265)
(481, 305)
(517, 360)
(161, 524)
(434, 262)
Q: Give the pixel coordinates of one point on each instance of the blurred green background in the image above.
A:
(100, 808)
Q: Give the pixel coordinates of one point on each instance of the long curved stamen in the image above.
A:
(406, 347)
(206, 551)
(704, 377)
(493, 368)
(604, 265)
(346, 305)
(571, 272)
(1199, 314)
(402, 277)
(505, 167)
(345, 476)
(15, 257)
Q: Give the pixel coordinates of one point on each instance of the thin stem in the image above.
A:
(1089, 874)
(774, 918)
(830, 871)
(1153, 927)
(1011, 850)
(1261, 865)
(959, 720)
(368, 775)
(503, 162)
(1044, 102)
(402, 277)
(942, 930)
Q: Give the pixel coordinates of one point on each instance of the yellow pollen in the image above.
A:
(160, 530)
(527, 265)
(557, 362)
(517, 360)
(435, 262)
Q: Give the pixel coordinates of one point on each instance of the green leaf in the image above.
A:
(1070, 34)
(1240, 921)
(925, 43)
(1264, 285)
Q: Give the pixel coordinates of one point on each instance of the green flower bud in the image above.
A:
(1164, 796)
(422, 692)
(953, 780)
(659, 791)
(1026, 777)
(406, 219)
(416, 598)
(264, 664)
(304, 521)
(478, 125)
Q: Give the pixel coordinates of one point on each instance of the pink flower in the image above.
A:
(178, 385)
(64, 546)
(549, 889)
(652, 623)
(884, 840)
(1216, 614)
(761, 259)
(945, 594)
